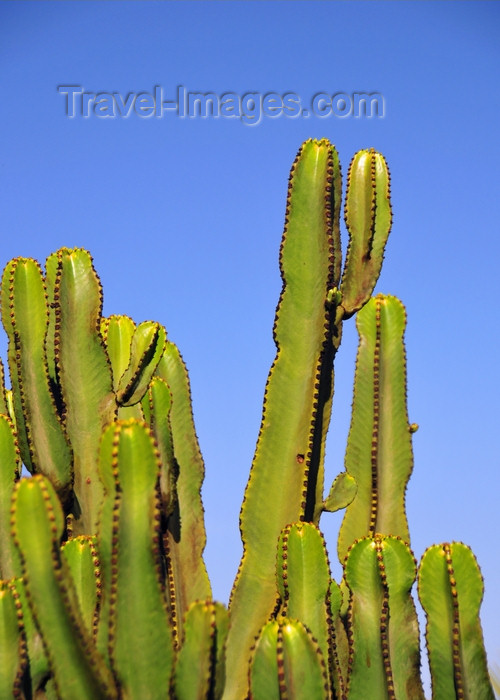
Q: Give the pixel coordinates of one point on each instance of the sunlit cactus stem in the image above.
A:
(450, 588)
(379, 454)
(287, 470)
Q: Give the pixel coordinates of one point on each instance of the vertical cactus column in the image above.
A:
(379, 451)
(385, 647)
(185, 537)
(42, 440)
(286, 472)
(287, 663)
(450, 588)
(304, 584)
(286, 479)
(83, 373)
(135, 633)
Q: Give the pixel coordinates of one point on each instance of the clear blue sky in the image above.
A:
(184, 215)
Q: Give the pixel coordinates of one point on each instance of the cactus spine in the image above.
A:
(104, 592)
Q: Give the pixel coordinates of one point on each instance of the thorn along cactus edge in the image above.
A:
(104, 593)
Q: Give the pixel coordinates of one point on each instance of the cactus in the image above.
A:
(104, 592)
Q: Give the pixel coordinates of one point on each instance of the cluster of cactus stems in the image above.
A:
(104, 593)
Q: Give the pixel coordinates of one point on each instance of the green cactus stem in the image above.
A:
(286, 481)
(10, 470)
(303, 574)
(339, 652)
(157, 405)
(13, 651)
(40, 678)
(117, 332)
(42, 441)
(450, 588)
(287, 663)
(134, 353)
(134, 622)
(146, 348)
(205, 631)
(37, 520)
(185, 537)
(379, 452)
(368, 218)
(84, 374)
(385, 664)
(83, 562)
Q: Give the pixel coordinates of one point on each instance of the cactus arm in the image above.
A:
(304, 668)
(264, 671)
(368, 219)
(38, 522)
(379, 453)
(450, 588)
(13, 651)
(380, 572)
(83, 563)
(117, 332)
(42, 442)
(205, 630)
(157, 405)
(146, 349)
(134, 353)
(303, 574)
(138, 632)
(186, 535)
(10, 469)
(85, 377)
(287, 663)
(286, 479)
